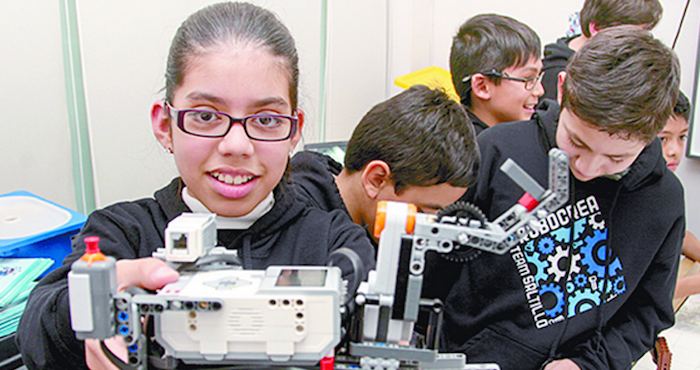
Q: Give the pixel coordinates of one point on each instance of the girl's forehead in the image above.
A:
(238, 74)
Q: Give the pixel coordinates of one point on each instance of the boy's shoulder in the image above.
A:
(518, 135)
(559, 50)
(313, 180)
(308, 160)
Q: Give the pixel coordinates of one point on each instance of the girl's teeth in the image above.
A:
(228, 179)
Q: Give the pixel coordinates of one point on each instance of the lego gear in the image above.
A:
(463, 213)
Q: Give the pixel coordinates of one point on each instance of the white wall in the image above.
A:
(356, 63)
(34, 133)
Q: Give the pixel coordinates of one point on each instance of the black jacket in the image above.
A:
(313, 178)
(290, 233)
(478, 124)
(511, 309)
(556, 57)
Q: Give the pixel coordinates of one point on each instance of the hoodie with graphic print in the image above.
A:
(522, 309)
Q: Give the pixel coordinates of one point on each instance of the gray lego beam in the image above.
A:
(523, 180)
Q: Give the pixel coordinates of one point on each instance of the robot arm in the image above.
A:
(392, 298)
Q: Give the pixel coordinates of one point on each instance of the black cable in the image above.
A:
(358, 268)
(116, 361)
(680, 24)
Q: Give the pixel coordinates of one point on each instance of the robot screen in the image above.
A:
(301, 278)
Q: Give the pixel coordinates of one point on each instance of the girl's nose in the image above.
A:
(236, 142)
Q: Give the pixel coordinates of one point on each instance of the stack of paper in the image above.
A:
(17, 277)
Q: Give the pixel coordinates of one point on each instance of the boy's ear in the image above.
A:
(301, 116)
(376, 176)
(593, 29)
(560, 84)
(160, 122)
(480, 86)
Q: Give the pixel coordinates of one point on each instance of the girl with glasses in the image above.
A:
(230, 119)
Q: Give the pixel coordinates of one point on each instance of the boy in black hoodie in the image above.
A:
(417, 147)
(591, 285)
(495, 66)
(595, 16)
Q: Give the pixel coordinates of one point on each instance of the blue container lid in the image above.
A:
(26, 218)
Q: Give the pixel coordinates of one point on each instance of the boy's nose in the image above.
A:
(673, 149)
(538, 90)
(589, 166)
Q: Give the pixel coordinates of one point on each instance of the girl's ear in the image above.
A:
(160, 122)
(300, 125)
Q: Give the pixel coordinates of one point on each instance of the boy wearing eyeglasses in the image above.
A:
(590, 285)
(416, 147)
(496, 69)
(595, 16)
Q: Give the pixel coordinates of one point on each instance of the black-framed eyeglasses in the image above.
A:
(211, 123)
(530, 83)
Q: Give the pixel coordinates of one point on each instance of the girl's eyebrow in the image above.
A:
(270, 101)
(196, 95)
(273, 100)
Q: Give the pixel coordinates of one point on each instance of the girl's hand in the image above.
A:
(564, 364)
(149, 273)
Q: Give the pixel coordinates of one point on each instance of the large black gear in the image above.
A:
(464, 212)
(461, 213)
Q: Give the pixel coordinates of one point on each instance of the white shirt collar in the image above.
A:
(237, 223)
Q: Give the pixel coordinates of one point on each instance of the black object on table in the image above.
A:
(10, 358)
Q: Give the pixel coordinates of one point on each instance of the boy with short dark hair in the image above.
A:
(590, 286)
(417, 147)
(596, 15)
(673, 141)
(495, 66)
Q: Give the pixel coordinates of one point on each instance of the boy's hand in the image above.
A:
(564, 364)
(149, 273)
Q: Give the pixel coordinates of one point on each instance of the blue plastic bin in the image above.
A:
(31, 226)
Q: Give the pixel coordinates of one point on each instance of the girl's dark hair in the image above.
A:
(219, 24)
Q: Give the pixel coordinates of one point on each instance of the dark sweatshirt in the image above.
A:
(512, 308)
(556, 57)
(289, 234)
(478, 124)
(313, 178)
